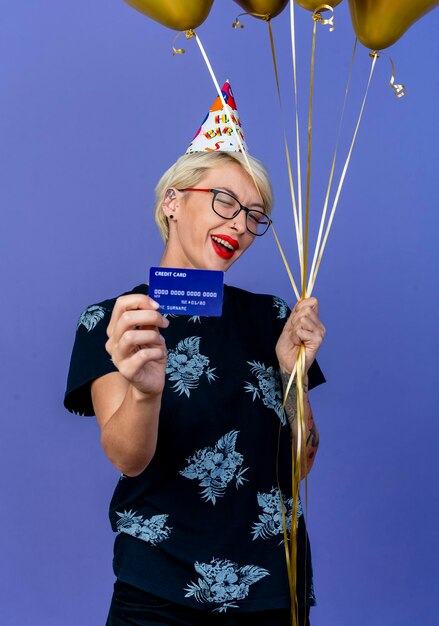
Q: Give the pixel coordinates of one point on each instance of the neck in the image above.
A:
(170, 259)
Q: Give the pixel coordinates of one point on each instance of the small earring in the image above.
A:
(171, 217)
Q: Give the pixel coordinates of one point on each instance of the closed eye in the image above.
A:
(226, 201)
(257, 217)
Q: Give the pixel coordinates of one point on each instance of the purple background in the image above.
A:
(94, 108)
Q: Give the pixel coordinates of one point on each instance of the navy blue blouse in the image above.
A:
(202, 524)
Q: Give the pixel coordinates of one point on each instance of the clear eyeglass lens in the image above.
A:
(257, 222)
(225, 205)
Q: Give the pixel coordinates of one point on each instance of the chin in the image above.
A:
(223, 266)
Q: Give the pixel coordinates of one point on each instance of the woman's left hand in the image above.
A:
(303, 326)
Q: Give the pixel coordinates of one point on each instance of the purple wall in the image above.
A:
(94, 108)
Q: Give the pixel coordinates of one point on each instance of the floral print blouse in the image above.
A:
(202, 525)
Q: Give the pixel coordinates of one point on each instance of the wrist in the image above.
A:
(285, 377)
(285, 370)
(305, 382)
(142, 397)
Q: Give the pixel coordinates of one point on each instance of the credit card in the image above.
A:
(186, 291)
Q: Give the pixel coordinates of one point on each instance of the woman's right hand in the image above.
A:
(135, 344)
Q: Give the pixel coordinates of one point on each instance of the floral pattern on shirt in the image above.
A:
(224, 583)
(152, 530)
(270, 520)
(185, 366)
(195, 319)
(215, 467)
(91, 317)
(268, 388)
(281, 306)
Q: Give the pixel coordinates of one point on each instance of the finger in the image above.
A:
(307, 307)
(135, 338)
(308, 318)
(309, 338)
(308, 303)
(306, 323)
(144, 318)
(128, 303)
(130, 368)
(304, 317)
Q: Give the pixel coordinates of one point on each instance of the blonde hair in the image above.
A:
(190, 169)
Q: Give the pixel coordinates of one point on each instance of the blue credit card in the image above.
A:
(187, 292)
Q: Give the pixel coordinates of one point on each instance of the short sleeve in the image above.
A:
(89, 359)
(281, 312)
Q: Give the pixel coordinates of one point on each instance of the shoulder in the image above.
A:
(94, 313)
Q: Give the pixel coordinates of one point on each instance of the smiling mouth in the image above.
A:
(224, 246)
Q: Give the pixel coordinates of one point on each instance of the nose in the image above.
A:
(239, 223)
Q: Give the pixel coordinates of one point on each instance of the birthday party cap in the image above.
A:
(216, 132)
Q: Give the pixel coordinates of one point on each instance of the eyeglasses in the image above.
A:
(228, 207)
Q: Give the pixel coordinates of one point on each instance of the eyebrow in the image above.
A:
(254, 204)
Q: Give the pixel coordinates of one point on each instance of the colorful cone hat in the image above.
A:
(216, 132)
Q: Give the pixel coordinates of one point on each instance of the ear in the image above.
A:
(169, 204)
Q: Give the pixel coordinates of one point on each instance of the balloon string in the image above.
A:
(317, 18)
(303, 460)
(296, 456)
(296, 473)
(296, 106)
(331, 175)
(290, 534)
(300, 365)
(343, 176)
(283, 510)
(284, 259)
(309, 158)
(287, 151)
(244, 153)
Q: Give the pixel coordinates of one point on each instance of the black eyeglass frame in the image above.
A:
(237, 212)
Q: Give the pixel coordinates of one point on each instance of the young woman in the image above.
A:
(190, 411)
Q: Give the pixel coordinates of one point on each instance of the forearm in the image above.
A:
(129, 438)
(311, 434)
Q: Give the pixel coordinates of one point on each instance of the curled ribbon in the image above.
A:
(317, 16)
(398, 90)
(189, 34)
(237, 23)
(262, 16)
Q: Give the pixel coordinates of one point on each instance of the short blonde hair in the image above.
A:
(190, 169)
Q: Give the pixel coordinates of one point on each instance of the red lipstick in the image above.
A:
(224, 245)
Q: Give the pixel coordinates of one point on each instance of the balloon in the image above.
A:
(312, 5)
(177, 14)
(263, 7)
(379, 23)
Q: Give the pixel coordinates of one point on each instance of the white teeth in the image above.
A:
(223, 242)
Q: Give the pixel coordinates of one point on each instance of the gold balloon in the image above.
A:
(379, 23)
(176, 14)
(312, 5)
(263, 7)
